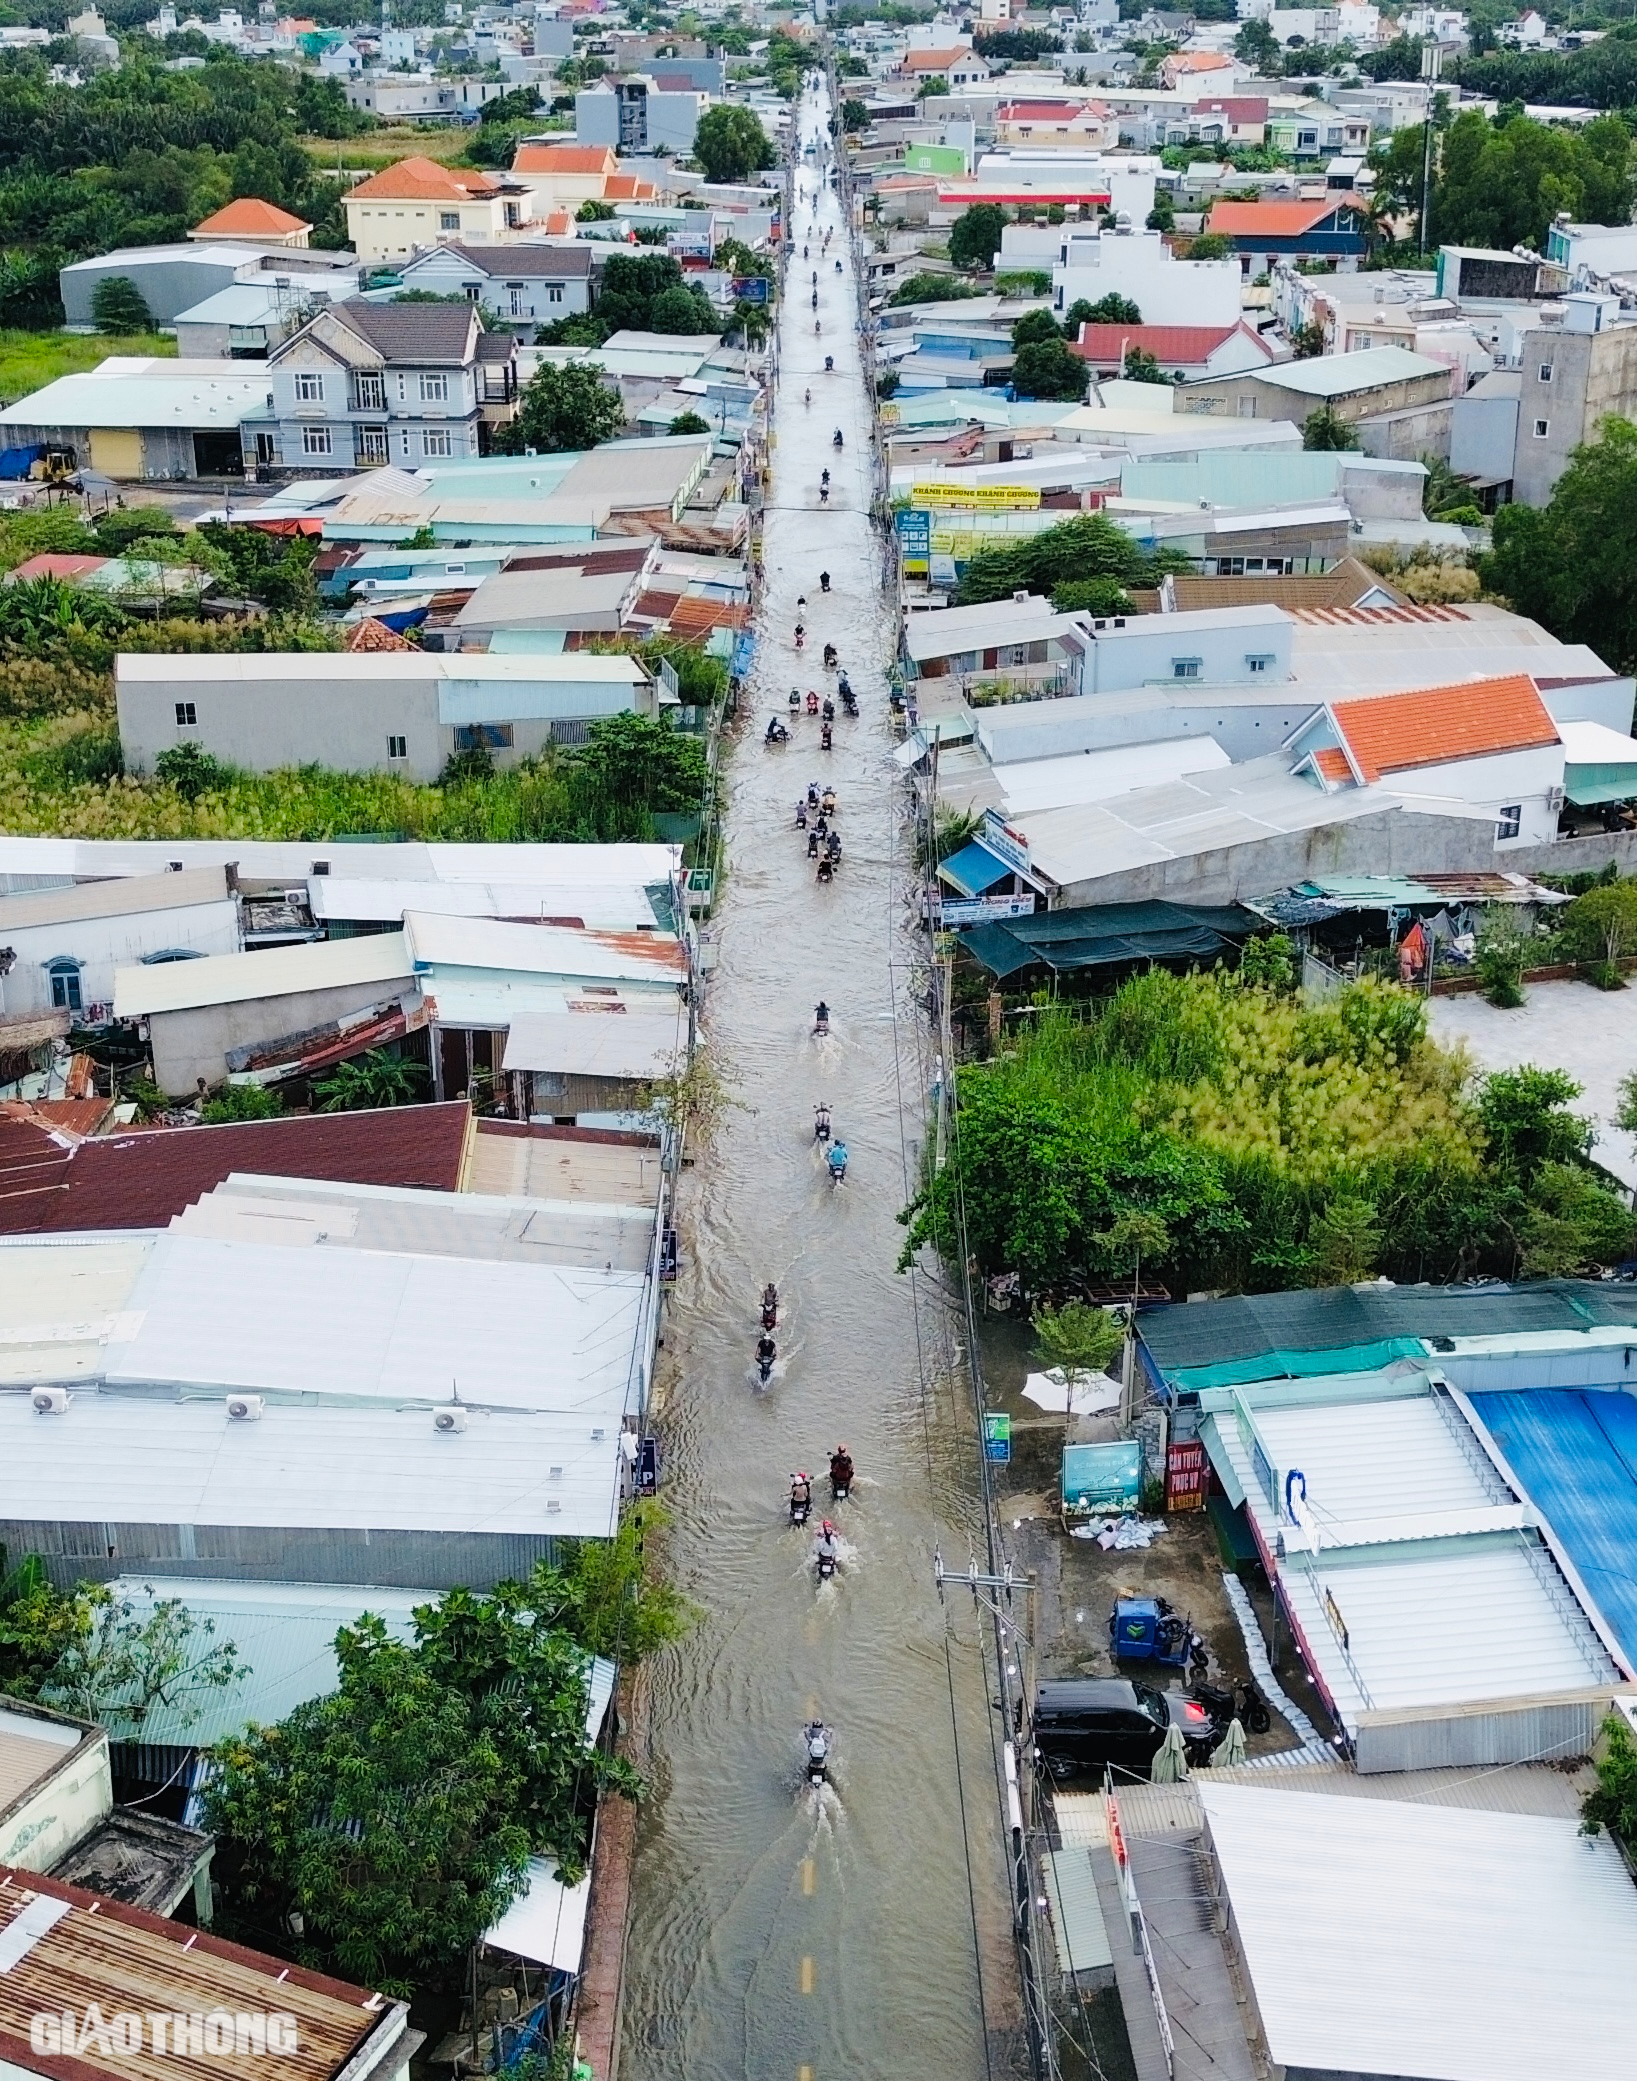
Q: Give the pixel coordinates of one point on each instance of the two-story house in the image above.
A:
(369, 383)
(418, 203)
(526, 284)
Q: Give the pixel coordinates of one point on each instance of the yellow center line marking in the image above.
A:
(804, 2074)
(808, 1976)
(809, 1876)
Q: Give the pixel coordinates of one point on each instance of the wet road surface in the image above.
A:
(780, 1931)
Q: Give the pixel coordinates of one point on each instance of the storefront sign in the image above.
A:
(983, 910)
(914, 535)
(1004, 841)
(750, 289)
(992, 497)
(997, 1436)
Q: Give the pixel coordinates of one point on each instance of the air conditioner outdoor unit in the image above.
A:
(1554, 801)
(449, 1420)
(245, 1408)
(50, 1401)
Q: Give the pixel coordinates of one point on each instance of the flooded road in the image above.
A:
(838, 1935)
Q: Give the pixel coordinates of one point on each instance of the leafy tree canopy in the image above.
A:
(974, 238)
(1324, 429)
(1089, 547)
(1501, 183)
(730, 143)
(563, 407)
(1049, 368)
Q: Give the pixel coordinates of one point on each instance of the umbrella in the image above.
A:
(1229, 1752)
(1094, 1393)
(1170, 1764)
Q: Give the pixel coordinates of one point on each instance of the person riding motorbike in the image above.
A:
(766, 1352)
(821, 826)
(821, 1017)
(826, 737)
(841, 1470)
(807, 397)
(825, 1549)
(829, 710)
(844, 687)
(776, 732)
(835, 438)
(770, 1305)
(817, 326)
(804, 252)
(801, 816)
(801, 637)
(824, 581)
(815, 299)
(812, 704)
(812, 845)
(829, 364)
(801, 1498)
(833, 847)
(824, 476)
(824, 494)
(827, 802)
(794, 703)
(826, 871)
(837, 1158)
(838, 263)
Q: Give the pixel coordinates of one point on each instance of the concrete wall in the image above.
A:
(50, 1817)
(1484, 437)
(1252, 397)
(1592, 374)
(194, 1044)
(1407, 436)
(101, 945)
(261, 724)
(409, 1560)
(168, 286)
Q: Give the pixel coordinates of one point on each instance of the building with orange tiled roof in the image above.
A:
(1056, 125)
(1187, 68)
(418, 203)
(258, 223)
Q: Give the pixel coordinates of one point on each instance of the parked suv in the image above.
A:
(1090, 1724)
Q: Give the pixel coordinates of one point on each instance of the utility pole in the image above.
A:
(1432, 58)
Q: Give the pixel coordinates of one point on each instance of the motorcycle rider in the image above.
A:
(801, 1496)
(824, 581)
(841, 1468)
(825, 1547)
(766, 1352)
(812, 845)
(821, 1017)
(770, 1305)
(826, 738)
(824, 476)
(837, 1158)
(776, 731)
(835, 439)
(821, 1123)
(807, 397)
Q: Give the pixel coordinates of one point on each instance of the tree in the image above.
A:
(633, 284)
(1049, 368)
(688, 423)
(1347, 1241)
(241, 1102)
(1211, 245)
(1089, 546)
(730, 143)
(1326, 431)
(1575, 1224)
(1163, 216)
(632, 766)
(975, 236)
(1500, 183)
(1600, 929)
(1142, 367)
(592, 211)
(192, 771)
(1112, 309)
(1612, 1802)
(1524, 1117)
(370, 1081)
(120, 1662)
(1307, 341)
(118, 306)
(1032, 327)
(1095, 596)
(1573, 564)
(1078, 1341)
(563, 407)
(1257, 45)
(855, 116)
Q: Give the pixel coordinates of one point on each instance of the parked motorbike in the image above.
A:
(1224, 1702)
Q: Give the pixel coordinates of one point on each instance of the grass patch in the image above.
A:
(30, 360)
(385, 147)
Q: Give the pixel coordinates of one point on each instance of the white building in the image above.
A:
(65, 944)
(1140, 266)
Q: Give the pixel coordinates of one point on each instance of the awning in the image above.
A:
(974, 869)
(546, 1922)
(594, 1044)
(1103, 935)
(1599, 764)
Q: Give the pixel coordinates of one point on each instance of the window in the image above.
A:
(434, 390)
(1185, 668)
(1542, 428)
(65, 984)
(397, 747)
(514, 296)
(309, 390)
(483, 736)
(1509, 821)
(315, 440)
(187, 715)
(449, 220)
(555, 293)
(1546, 372)
(1260, 664)
(1246, 407)
(372, 444)
(435, 440)
(371, 395)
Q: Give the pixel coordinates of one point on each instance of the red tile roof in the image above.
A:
(370, 634)
(564, 159)
(1474, 719)
(1172, 346)
(52, 564)
(250, 217)
(1274, 219)
(145, 1177)
(934, 61)
(1332, 763)
(423, 180)
(1048, 111)
(1238, 108)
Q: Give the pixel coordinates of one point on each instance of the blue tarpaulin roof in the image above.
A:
(973, 869)
(1575, 1451)
(1098, 935)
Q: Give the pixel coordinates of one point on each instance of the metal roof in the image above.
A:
(276, 859)
(1340, 375)
(585, 1045)
(135, 391)
(546, 1922)
(59, 1302)
(1383, 1938)
(209, 1317)
(336, 964)
(435, 942)
(124, 1459)
(604, 905)
(123, 897)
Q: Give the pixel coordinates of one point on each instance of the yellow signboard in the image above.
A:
(975, 496)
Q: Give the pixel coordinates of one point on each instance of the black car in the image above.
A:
(1090, 1723)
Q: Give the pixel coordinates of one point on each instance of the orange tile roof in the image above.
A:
(559, 224)
(1274, 219)
(564, 159)
(423, 180)
(1196, 61)
(627, 187)
(1474, 719)
(934, 61)
(250, 216)
(1332, 763)
(370, 634)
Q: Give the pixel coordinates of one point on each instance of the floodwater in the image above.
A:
(781, 1931)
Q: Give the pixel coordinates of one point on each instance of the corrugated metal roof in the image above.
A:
(129, 391)
(180, 986)
(598, 905)
(1077, 1915)
(586, 1045)
(546, 1922)
(1393, 1939)
(213, 1317)
(434, 942)
(60, 1301)
(1340, 375)
(122, 1958)
(118, 898)
(124, 1460)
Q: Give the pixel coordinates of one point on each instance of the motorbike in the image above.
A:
(838, 267)
(817, 327)
(812, 704)
(835, 438)
(824, 737)
(849, 700)
(794, 703)
(815, 301)
(801, 816)
(824, 581)
(801, 1498)
(801, 637)
(841, 1485)
(821, 1019)
(826, 1562)
(770, 1306)
(829, 710)
(826, 868)
(829, 364)
(807, 397)
(812, 794)
(827, 802)
(837, 1158)
(776, 733)
(830, 657)
(815, 1737)
(766, 1352)
(833, 849)
(1224, 1702)
(821, 1123)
